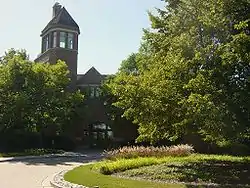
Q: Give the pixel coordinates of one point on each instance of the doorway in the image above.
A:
(100, 134)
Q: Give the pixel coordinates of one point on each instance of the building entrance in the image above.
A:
(100, 134)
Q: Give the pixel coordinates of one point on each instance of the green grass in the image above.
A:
(85, 176)
(227, 174)
(229, 171)
(31, 152)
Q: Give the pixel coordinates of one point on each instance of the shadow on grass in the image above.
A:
(200, 173)
(222, 173)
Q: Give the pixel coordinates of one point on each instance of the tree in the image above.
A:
(129, 65)
(115, 114)
(11, 53)
(193, 68)
(34, 96)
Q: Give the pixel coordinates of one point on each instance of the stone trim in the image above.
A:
(59, 182)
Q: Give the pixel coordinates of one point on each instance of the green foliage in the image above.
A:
(115, 114)
(193, 73)
(11, 53)
(120, 165)
(129, 65)
(32, 152)
(35, 96)
(189, 168)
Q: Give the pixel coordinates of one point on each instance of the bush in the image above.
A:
(235, 149)
(141, 151)
(18, 141)
(108, 167)
(38, 151)
(120, 165)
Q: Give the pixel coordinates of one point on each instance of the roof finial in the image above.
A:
(56, 8)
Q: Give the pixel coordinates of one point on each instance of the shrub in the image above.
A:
(108, 167)
(235, 149)
(14, 141)
(37, 151)
(141, 151)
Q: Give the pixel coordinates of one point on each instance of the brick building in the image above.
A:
(60, 41)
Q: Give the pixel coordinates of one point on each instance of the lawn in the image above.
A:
(225, 171)
(84, 175)
(227, 174)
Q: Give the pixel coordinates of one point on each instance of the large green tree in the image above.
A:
(34, 96)
(193, 73)
(120, 124)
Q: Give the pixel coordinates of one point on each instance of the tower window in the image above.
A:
(62, 39)
(46, 43)
(70, 40)
(54, 39)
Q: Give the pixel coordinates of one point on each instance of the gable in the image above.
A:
(92, 76)
(62, 19)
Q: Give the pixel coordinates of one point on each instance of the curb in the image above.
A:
(59, 182)
(63, 184)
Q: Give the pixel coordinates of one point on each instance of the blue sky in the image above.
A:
(110, 29)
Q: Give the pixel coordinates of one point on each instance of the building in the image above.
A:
(60, 41)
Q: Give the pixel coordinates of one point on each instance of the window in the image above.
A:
(101, 131)
(92, 92)
(46, 43)
(62, 39)
(97, 92)
(54, 39)
(110, 134)
(70, 40)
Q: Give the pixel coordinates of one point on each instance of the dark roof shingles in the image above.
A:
(63, 18)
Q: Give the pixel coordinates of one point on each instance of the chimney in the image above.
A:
(56, 8)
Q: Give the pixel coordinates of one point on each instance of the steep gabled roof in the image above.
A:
(62, 19)
(92, 71)
(92, 76)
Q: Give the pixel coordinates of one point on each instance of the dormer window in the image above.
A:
(62, 39)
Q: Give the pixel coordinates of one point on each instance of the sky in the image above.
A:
(110, 29)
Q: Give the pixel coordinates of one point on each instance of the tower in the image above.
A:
(60, 41)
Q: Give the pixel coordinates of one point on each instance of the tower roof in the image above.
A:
(62, 19)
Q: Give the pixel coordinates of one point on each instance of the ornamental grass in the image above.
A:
(142, 151)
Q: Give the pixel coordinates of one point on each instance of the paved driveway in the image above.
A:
(35, 173)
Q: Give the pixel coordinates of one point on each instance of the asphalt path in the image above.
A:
(36, 172)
